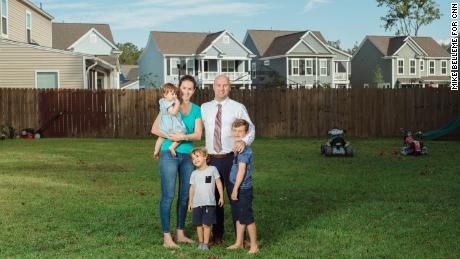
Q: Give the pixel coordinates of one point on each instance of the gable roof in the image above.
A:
(65, 34)
(130, 74)
(207, 41)
(388, 45)
(276, 40)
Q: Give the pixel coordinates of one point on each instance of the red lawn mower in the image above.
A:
(30, 133)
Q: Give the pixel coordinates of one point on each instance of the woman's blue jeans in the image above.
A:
(170, 168)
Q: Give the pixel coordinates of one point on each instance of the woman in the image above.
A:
(181, 165)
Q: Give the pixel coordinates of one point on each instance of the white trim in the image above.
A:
(414, 42)
(340, 51)
(38, 9)
(397, 66)
(7, 19)
(127, 86)
(171, 67)
(297, 56)
(186, 66)
(298, 43)
(445, 62)
(292, 66)
(287, 70)
(165, 70)
(322, 59)
(30, 28)
(231, 36)
(320, 42)
(92, 30)
(392, 73)
(48, 71)
(306, 67)
(429, 67)
(85, 77)
(316, 70)
(178, 55)
(410, 66)
(72, 53)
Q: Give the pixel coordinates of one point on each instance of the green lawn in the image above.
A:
(99, 198)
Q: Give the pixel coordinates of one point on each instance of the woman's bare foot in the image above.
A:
(182, 238)
(235, 246)
(254, 249)
(173, 152)
(168, 241)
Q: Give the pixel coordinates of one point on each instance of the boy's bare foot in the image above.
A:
(253, 250)
(173, 152)
(235, 246)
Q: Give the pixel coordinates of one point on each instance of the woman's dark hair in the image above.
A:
(188, 78)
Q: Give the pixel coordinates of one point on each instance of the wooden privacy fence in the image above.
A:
(275, 112)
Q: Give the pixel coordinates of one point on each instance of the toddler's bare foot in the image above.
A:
(235, 246)
(254, 249)
(173, 152)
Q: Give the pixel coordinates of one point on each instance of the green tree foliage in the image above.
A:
(353, 49)
(130, 53)
(335, 44)
(377, 77)
(407, 16)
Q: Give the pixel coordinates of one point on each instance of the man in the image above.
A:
(218, 116)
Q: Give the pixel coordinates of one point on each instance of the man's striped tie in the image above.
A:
(217, 129)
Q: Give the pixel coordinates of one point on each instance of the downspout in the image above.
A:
(88, 69)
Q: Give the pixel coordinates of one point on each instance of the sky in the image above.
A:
(131, 21)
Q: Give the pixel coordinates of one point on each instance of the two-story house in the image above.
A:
(29, 59)
(169, 55)
(404, 61)
(296, 58)
(93, 39)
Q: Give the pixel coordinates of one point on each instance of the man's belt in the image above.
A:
(221, 155)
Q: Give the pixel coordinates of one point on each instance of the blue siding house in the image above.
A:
(169, 55)
(296, 59)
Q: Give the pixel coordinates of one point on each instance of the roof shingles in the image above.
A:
(65, 34)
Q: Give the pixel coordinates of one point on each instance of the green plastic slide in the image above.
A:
(446, 129)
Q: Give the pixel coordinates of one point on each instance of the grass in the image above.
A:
(99, 198)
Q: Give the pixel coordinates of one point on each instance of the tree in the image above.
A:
(335, 44)
(130, 53)
(407, 16)
(354, 49)
(377, 79)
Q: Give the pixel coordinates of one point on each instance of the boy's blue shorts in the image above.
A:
(242, 208)
(204, 215)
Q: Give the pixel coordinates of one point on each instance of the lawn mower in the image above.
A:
(336, 146)
(30, 133)
(412, 145)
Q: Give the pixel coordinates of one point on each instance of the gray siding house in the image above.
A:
(169, 55)
(404, 61)
(296, 58)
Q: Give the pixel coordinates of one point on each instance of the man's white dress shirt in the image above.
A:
(231, 110)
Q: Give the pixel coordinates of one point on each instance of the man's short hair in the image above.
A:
(241, 122)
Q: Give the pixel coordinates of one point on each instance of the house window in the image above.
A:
(444, 67)
(47, 79)
(228, 65)
(309, 66)
(295, 66)
(323, 67)
(400, 66)
(412, 66)
(29, 26)
(267, 62)
(174, 71)
(190, 66)
(226, 39)
(302, 67)
(431, 67)
(253, 69)
(4, 8)
(422, 64)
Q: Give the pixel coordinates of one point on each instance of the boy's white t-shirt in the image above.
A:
(204, 182)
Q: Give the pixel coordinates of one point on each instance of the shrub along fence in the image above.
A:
(275, 112)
